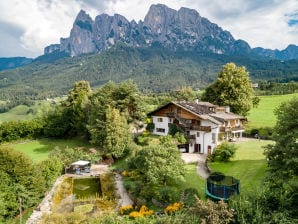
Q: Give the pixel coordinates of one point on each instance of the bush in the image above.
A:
(224, 152)
(263, 133)
(213, 212)
(142, 140)
(168, 194)
(150, 127)
(189, 196)
(14, 130)
(174, 129)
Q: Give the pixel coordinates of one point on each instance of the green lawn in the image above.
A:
(248, 165)
(263, 115)
(38, 150)
(193, 180)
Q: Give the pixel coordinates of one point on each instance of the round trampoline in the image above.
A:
(221, 187)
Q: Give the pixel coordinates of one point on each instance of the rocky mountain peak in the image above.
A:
(83, 16)
(174, 29)
(159, 17)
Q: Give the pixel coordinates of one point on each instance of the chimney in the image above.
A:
(197, 101)
(227, 109)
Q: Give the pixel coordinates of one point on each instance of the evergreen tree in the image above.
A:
(283, 156)
(117, 133)
(75, 107)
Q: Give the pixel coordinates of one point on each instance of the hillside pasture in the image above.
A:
(263, 115)
(23, 112)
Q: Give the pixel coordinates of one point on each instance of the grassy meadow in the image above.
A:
(263, 115)
(38, 150)
(22, 112)
(248, 165)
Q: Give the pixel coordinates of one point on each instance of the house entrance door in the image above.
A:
(209, 149)
(196, 148)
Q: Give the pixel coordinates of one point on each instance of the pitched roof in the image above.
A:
(224, 116)
(204, 110)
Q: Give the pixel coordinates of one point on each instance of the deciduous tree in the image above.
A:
(232, 88)
(159, 164)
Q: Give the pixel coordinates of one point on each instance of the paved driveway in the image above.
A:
(193, 157)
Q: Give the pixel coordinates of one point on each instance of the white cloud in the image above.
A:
(43, 22)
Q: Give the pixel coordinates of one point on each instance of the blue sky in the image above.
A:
(27, 26)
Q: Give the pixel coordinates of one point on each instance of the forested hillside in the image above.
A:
(154, 69)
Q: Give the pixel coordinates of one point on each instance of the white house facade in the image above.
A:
(204, 124)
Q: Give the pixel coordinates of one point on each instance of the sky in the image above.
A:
(28, 26)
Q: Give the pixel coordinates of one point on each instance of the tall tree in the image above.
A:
(118, 133)
(159, 164)
(76, 105)
(282, 194)
(232, 88)
(283, 156)
(22, 184)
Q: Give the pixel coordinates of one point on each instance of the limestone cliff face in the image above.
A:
(183, 29)
(80, 40)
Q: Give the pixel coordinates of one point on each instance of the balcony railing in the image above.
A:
(227, 129)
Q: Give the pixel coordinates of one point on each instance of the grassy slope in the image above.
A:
(38, 150)
(22, 112)
(263, 115)
(249, 164)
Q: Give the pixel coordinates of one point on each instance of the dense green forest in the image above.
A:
(153, 69)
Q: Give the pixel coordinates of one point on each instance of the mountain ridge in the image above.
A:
(153, 69)
(182, 29)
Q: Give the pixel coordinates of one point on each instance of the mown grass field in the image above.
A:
(38, 150)
(248, 165)
(22, 112)
(263, 115)
(193, 180)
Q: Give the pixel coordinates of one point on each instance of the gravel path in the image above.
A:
(45, 206)
(121, 191)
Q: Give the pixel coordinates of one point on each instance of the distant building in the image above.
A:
(204, 124)
(255, 85)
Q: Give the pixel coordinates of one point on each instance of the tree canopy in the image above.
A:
(159, 164)
(283, 156)
(232, 88)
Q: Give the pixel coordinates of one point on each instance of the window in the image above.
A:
(159, 119)
(160, 130)
(178, 110)
(213, 138)
(198, 134)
